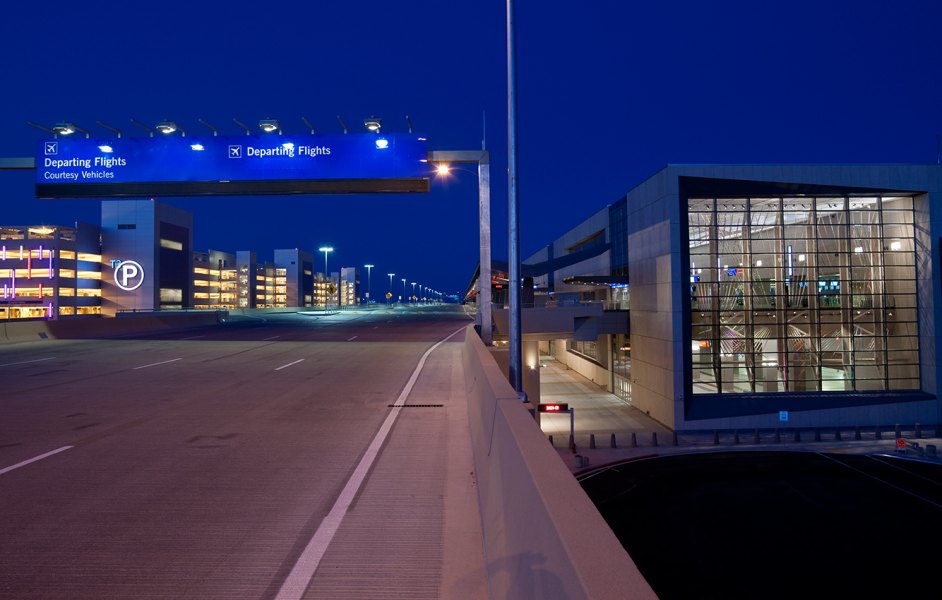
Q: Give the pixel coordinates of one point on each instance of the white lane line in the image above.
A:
(274, 337)
(351, 339)
(163, 362)
(303, 571)
(34, 459)
(289, 364)
(28, 361)
(194, 337)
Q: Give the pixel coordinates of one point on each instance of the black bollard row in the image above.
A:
(551, 440)
(917, 432)
(716, 438)
(837, 434)
(674, 439)
(634, 440)
(736, 437)
(857, 432)
(899, 431)
(591, 440)
(876, 433)
(612, 443)
(654, 438)
(817, 434)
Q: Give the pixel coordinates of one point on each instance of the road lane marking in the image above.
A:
(34, 459)
(163, 362)
(303, 571)
(274, 337)
(289, 364)
(28, 361)
(351, 339)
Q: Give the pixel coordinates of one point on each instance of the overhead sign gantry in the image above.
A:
(237, 165)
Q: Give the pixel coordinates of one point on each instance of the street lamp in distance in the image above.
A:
(369, 281)
(325, 250)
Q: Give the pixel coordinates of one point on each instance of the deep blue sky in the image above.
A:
(609, 92)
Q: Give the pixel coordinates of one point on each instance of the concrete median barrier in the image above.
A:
(543, 537)
(125, 326)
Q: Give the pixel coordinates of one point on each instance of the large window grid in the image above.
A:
(803, 294)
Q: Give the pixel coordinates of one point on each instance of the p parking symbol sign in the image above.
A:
(128, 274)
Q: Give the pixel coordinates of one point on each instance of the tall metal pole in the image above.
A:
(484, 276)
(516, 358)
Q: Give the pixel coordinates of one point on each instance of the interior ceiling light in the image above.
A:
(268, 125)
(63, 128)
(373, 124)
(166, 127)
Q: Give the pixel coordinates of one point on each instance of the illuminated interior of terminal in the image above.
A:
(803, 294)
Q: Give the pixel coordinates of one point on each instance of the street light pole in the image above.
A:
(369, 282)
(515, 359)
(413, 292)
(325, 250)
(391, 275)
(403, 286)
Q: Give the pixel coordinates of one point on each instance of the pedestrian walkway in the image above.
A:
(620, 431)
(415, 529)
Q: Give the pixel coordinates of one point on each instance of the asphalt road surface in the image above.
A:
(769, 525)
(196, 464)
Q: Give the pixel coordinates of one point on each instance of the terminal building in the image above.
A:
(754, 296)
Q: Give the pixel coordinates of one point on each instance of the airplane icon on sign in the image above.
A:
(52, 148)
(235, 151)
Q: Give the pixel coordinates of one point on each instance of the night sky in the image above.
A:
(609, 92)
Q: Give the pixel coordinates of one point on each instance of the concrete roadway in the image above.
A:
(200, 464)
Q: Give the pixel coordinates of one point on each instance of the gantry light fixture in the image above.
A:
(242, 125)
(106, 126)
(308, 123)
(269, 126)
(342, 124)
(409, 123)
(143, 126)
(373, 124)
(213, 129)
(65, 128)
(167, 127)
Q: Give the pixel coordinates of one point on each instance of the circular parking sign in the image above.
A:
(128, 275)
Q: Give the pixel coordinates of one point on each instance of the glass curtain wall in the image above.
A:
(799, 294)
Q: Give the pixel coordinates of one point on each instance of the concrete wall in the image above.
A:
(98, 328)
(543, 537)
(594, 372)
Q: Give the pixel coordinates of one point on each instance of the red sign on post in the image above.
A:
(558, 407)
(900, 443)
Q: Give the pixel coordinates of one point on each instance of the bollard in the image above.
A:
(716, 438)
(674, 439)
(899, 431)
(778, 436)
(930, 451)
(876, 433)
(654, 438)
(592, 440)
(612, 443)
(551, 440)
(755, 437)
(917, 432)
(817, 434)
(634, 440)
(736, 437)
(837, 435)
(797, 435)
(857, 432)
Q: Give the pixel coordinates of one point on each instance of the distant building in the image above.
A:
(50, 271)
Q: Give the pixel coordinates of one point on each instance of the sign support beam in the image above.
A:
(483, 161)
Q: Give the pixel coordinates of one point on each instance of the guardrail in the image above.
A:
(543, 537)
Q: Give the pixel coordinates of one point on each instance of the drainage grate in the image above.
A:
(415, 405)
